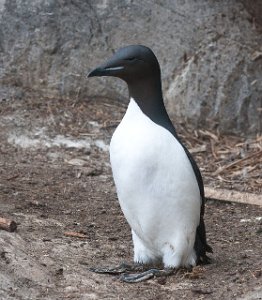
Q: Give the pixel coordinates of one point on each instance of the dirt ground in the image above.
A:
(55, 178)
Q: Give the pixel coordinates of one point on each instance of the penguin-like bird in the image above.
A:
(159, 185)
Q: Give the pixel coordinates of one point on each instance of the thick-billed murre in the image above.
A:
(159, 185)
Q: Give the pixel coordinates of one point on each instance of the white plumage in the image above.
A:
(157, 190)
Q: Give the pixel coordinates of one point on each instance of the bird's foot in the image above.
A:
(134, 278)
(125, 270)
(122, 268)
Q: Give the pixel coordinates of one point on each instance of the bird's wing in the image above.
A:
(201, 245)
(198, 177)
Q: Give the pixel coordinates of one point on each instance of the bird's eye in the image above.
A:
(131, 59)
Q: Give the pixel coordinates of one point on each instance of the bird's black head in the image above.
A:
(137, 65)
(131, 63)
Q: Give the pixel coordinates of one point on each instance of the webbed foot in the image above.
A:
(134, 278)
(128, 274)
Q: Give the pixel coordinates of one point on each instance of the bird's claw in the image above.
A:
(134, 278)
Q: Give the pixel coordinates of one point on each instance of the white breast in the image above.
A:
(156, 185)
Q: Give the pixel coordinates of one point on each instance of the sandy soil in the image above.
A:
(55, 178)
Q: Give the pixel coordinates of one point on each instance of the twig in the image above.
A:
(75, 234)
(12, 177)
(201, 148)
(212, 143)
(234, 163)
(210, 134)
(233, 196)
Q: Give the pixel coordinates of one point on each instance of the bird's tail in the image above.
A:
(201, 247)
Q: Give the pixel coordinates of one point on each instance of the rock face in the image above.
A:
(210, 53)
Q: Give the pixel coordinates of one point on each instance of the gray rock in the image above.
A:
(254, 8)
(210, 53)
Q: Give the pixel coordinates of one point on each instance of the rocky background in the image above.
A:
(210, 53)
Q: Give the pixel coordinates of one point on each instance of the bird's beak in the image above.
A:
(109, 71)
(110, 68)
(96, 72)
